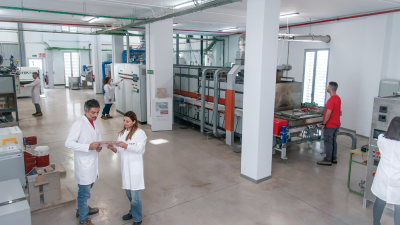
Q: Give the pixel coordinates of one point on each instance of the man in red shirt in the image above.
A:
(330, 125)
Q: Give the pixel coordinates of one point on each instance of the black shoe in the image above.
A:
(137, 223)
(127, 217)
(334, 161)
(323, 163)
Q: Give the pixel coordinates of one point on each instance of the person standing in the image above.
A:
(330, 125)
(35, 93)
(131, 147)
(386, 184)
(109, 89)
(84, 138)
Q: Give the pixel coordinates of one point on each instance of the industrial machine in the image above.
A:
(25, 77)
(12, 164)
(130, 94)
(14, 208)
(384, 110)
(11, 135)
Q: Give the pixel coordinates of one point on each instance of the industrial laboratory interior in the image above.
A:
(177, 112)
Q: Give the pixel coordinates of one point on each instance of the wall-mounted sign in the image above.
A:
(42, 55)
(34, 55)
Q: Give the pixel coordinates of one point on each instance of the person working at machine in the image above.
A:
(84, 138)
(331, 124)
(386, 184)
(109, 89)
(35, 93)
(131, 146)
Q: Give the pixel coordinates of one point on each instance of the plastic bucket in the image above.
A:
(42, 161)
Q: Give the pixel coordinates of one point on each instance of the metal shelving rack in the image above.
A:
(7, 91)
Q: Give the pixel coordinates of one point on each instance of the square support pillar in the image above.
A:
(159, 59)
(117, 49)
(96, 61)
(262, 29)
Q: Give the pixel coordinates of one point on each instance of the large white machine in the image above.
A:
(130, 95)
(25, 77)
(14, 208)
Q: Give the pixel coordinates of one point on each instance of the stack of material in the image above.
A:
(44, 184)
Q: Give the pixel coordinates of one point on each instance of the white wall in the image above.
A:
(362, 52)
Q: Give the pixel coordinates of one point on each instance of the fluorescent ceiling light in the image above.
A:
(289, 15)
(93, 19)
(229, 29)
(174, 24)
(186, 4)
(390, 1)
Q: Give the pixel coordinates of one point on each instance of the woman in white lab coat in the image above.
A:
(35, 93)
(109, 89)
(131, 146)
(386, 185)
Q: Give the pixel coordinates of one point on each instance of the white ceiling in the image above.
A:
(215, 19)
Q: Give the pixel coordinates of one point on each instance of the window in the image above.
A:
(65, 28)
(73, 29)
(315, 76)
(71, 66)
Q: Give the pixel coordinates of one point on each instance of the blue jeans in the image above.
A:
(106, 109)
(136, 204)
(83, 196)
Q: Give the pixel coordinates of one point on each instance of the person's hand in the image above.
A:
(94, 146)
(121, 144)
(323, 127)
(111, 147)
(98, 149)
(122, 79)
(110, 99)
(21, 85)
(341, 113)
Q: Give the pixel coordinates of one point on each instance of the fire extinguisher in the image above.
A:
(46, 79)
(92, 77)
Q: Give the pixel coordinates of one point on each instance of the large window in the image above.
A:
(315, 76)
(71, 66)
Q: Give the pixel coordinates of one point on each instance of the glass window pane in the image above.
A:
(320, 77)
(308, 76)
(75, 64)
(65, 28)
(73, 29)
(67, 67)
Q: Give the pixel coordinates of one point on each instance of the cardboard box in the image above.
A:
(278, 76)
(161, 92)
(84, 83)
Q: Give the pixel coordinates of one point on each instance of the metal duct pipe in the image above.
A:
(128, 52)
(216, 100)
(305, 38)
(203, 99)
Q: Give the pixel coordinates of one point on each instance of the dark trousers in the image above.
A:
(330, 144)
(106, 109)
(379, 206)
(37, 107)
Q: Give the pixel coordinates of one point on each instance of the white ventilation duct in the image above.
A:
(305, 38)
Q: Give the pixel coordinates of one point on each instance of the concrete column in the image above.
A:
(159, 58)
(117, 48)
(96, 62)
(21, 43)
(262, 28)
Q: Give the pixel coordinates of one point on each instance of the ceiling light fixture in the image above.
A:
(186, 4)
(93, 19)
(174, 24)
(289, 15)
(229, 29)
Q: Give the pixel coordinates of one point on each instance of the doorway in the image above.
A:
(71, 66)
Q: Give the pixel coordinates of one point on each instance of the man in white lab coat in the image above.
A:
(35, 93)
(84, 138)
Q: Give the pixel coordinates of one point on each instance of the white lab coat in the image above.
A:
(132, 160)
(386, 185)
(109, 90)
(35, 90)
(86, 161)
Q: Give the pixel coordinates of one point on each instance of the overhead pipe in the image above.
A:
(199, 7)
(68, 13)
(305, 38)
(128, 55)
(216, 100)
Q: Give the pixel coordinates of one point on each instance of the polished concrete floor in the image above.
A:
(192, 180)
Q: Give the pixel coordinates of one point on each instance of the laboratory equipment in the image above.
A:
(12, 164)
(14, 208)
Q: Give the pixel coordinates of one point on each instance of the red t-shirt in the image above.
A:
(334, 103)
(91, 122)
